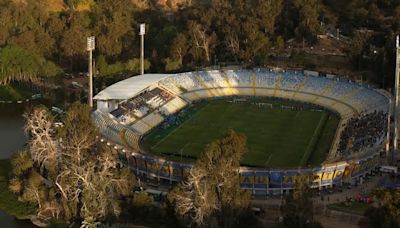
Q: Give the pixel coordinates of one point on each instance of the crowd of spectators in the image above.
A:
(362, 132)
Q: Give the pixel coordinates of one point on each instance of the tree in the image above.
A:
(73, 42)
(42, 145)
(388, 214)
(309, 26)
(21, 163)
(79, 135)
(267, 13)
(133, 65)
(179, 48)
(90, 179)
(17, 64)
(358, 48)
(255, 42)
(113, 23)
(172, 65)
(211, 195)
(298, 207)
(6, 17)
(73, 175)
(142, 199)
(28, 30)
(280, 43)
(203, 41)
(72, 4)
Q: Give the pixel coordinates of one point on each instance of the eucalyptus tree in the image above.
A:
(211, 194)
(73, 176)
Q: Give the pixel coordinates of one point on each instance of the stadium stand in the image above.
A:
(130, 109)
(363, 110)
(361, 132)
(116, 132)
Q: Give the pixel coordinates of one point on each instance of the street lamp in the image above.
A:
(90, 48)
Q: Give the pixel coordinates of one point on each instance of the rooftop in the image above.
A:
(128, 88)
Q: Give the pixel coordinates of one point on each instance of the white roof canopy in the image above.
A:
(128, 88)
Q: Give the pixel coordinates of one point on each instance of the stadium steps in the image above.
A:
(153, 119)
(326, 90)
(254, 82)
(277, 84)
(230, 87)
(161, 86)
(132, 140)
(375, 104)
(300, 86)
(171, 86)
(140, 127)
(205, 86)
(382, 107)
(361, 106)
(333, 150)
(132, 118)
(366, 104)
(219, 79)
(142, 122)
(112, 130)
(175, 105)
(149, 123)
(225, 77)
(176, 84)
(346, 96)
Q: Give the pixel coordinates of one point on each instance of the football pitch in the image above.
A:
(278, 136)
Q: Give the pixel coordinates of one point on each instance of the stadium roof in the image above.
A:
(128, 88)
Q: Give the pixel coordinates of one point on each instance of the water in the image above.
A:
(11, 129)
(12, 135)
(8, 221)
(12, 139)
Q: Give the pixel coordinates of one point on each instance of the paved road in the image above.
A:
(336, 196)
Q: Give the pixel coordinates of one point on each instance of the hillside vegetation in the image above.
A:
(327, 35)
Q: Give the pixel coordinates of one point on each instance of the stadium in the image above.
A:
(321, 126)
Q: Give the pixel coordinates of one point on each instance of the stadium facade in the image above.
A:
(129, 109)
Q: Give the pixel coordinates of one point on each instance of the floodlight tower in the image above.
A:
(396, 102)
(388, 127)
(90, 48)
(141, 33)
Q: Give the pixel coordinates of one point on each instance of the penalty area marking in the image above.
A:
(180, 125)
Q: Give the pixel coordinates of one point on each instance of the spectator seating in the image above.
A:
(363, 109)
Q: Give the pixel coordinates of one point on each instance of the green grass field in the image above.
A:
(276, 137)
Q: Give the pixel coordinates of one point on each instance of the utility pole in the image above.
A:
(142, 32)
(90, 48)
(396, 103)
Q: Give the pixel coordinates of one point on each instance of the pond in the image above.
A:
(13, 139)
(11, 130)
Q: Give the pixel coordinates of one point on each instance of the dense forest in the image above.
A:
(47, 37)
